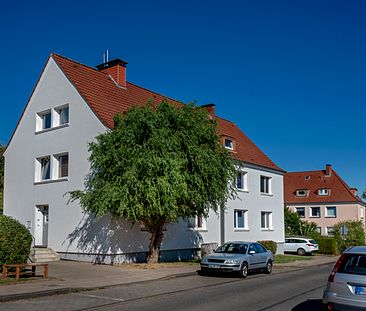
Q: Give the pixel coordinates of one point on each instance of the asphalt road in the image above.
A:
(292, 290)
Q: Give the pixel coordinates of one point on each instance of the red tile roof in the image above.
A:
(339, 191)
(106, 99)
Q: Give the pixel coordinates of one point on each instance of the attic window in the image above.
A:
(302, 193)
(229, 143)
(323, 191)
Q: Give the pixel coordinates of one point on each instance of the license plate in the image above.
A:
(214, 266)
(360, 290)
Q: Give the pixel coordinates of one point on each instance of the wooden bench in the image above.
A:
(20, 267)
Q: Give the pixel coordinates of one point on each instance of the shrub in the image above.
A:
(327, 245)
(270, 245)
(15, 241)
(349, 233)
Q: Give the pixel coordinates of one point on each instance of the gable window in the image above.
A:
(331, 211)
(315, 212)
(300, 211)
(266, 220)
(63, 165)
(302, 193)
(241, 181)
(240, 219)
(323, 191)
(44, 120)
(265, 184)
(229, 143)
(63, 115)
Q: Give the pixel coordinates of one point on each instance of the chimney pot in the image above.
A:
(328, 170)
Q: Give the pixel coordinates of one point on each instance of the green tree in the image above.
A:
(1, 178)
(158, 164)
(349, 233)
(294, 225)
(364, 194)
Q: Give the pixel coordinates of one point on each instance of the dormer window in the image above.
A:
(323, 191)
(229, 143)
(302, 193)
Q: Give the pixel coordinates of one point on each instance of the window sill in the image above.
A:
(52, 128)
(241, 230)
(242, 190)
(50, 181)
(314, 217)
(267, 229)
(330, 216)
(267, 194)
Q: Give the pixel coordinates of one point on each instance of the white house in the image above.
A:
(47, 156)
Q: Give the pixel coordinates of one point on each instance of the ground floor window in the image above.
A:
(330, 231)
(266, 220)
(240, 219)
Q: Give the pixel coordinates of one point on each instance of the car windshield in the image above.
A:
(233, 248)
(353, 264)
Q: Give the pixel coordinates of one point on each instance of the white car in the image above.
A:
(300, 246)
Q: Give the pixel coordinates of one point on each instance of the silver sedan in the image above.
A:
(239, 257)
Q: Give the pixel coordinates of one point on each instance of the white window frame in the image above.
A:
(245, 219)
(297, 208)
(200, 223)
(57, 166)
(231, 144)
(267, 185)
(327, 214)
(244, 181)
(268, 221)
(58, 115)
(329, 231)
(39, 172)
(311, 212)
(323, 192)
(41, 122)
(302, 193)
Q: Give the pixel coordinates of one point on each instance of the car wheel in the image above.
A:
(269, 267)
(243, 271)
(301, 252)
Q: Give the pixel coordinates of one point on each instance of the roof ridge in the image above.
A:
(297, 172)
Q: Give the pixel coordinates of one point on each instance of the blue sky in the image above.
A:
(291, 74)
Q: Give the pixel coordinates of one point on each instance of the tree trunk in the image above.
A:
(155, 241)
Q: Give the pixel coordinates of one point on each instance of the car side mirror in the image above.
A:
(251, 252)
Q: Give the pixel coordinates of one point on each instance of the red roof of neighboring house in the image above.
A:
(106, 99)
(312, 181)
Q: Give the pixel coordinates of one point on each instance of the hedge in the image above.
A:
(270, 245)
(327, 245)
(15, 241)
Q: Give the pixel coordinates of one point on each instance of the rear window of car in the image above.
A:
(353, 264)
(313, 242)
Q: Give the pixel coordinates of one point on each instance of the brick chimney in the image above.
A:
(116, 68)
(210, 108)
(328, 170)
(354, 191)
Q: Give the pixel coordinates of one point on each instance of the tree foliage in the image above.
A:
(294, 225)
(158, 164)
(1, 178)
(349, 233)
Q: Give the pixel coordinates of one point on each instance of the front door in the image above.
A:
(41, 226)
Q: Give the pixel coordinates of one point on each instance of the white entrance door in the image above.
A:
(41, 226)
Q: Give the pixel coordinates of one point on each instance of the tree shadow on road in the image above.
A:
(310, 304)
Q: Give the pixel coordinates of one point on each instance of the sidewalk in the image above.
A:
(69, 276)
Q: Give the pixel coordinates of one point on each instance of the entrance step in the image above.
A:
(38, 254)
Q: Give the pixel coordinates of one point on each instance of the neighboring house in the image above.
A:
(323, 197)
(47, 156)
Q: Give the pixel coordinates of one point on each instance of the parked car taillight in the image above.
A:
(336, 268)
(311, 245)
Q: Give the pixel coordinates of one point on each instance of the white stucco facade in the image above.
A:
(75, 235)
